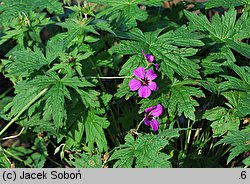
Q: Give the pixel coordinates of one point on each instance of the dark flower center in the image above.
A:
(150, 117)
(145, 82)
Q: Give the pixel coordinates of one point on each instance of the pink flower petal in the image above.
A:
(144, 92)
(139, 72)
(151, 75)
(148, 110)
(146, 121)
(150, 58)
(157, 111)
(134, 84)
(152, 86)
(154, 124)
(144, 54)
(156, 66)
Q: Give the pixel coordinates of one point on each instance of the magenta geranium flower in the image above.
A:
(150, 117)
(150, 58)
(144, 82)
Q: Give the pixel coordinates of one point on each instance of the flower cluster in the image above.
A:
(144, 84)
(144, 81)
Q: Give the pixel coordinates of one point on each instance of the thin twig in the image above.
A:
(123, 77)
(13, 136)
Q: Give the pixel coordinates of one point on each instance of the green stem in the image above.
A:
(5, 93)
(16, 157)
(112, 137)
(181, 138)
(65, 161)
(120, 138)
(13, 136)
(98, 70)
(139, 124)
(22, 110)
(188, 136)
(53, 161)
(226, 151)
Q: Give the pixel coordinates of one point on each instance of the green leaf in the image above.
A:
(213, 63)
(126, 8)
(75, 136)
(124, 90)
(37, 124)
(54, 108)
(240, 140)
(55, 47)
(3, 161)
(106, 98)
(242, 26)
(34, 157)
(225, 30)
(226, 3)
(11, 34)
(174, 62)
(4, 102)
(41, 155)
(240, 100)
(127, 47)
(131, 64)
(210, 84)
(75, 82)
(163, 47)
(23, 97)
(235, 83)
(94, 126)
(223, 120)
(89, 97)
(240, 47)
(127, 117)
(58, 44)
(233, 97)
(51, 5)
(181, 99)
(55, 104)
(104, 26)
(117, 2)
(124, 155)
(10, 8)
(246, 161)
(25, 63)
(152, 2)
(145, 151)
(182, 37)
(86, 161)
(199, 22)
(243, 108)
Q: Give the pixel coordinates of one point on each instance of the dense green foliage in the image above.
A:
(71, 63)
